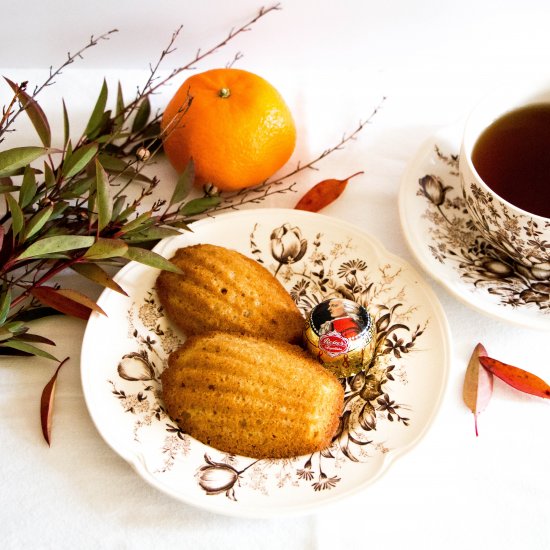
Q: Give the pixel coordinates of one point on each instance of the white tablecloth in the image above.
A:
(333, 62)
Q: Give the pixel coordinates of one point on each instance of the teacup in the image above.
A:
(521, 236)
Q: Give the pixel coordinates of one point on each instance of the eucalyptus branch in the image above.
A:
(84, 210)
(75, 213)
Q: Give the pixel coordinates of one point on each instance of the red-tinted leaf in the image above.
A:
(323, 194)
(478, 384)
(519, 379)
(69, 302)
(35, 113)
(46, 404)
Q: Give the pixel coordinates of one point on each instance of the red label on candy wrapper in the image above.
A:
(340, 333)
(333, 344)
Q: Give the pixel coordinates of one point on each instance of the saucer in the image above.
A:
(448, 246)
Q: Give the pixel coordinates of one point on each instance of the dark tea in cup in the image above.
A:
(512, 157)
(504, 169)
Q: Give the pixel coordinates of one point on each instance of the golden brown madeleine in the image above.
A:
(251, 396)
(221, 289)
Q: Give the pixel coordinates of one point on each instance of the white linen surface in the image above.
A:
(333, 62)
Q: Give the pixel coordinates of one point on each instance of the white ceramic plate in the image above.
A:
(440, 233)
(386, 412)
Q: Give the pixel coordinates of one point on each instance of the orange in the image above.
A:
(237, 129)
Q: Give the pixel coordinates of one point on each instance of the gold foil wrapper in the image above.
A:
(341, 334)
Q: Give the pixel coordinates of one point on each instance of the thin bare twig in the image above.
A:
(261, 192)
(149, 88)
(54, 73)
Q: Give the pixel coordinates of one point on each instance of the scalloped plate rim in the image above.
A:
(251, 511)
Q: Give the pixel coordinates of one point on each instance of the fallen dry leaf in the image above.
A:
(519, 379)
(478, 384)
(46, 404)
(323, 194)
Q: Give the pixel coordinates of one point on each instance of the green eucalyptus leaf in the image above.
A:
(150, 258)
(77, 187)
(96, 117)
(103, 138)
(102, 133)
(92, 209)
(126, 213)
(5, 305)
(68, 149)
(106, 248)
(27, 348)
(136, 223)
(17, 217)
(119, 112)
(142, 115)
(58, 209)
(52, 245)
(12, 160)
(184, 183)
(151, 234)
(79, 159)
(28, 187)
(181, 225)
(112, 163)
(66, 125)
(37, 222)
(198, 206)
(34, 112)
(117, 165)
(104, 200)
(94, 273)
(118, 205)
(49, 176)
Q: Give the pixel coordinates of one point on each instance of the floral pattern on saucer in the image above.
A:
(439, 231)
(457, 241)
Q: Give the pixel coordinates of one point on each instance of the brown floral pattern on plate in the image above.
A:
(313, 268)
(388, 407)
